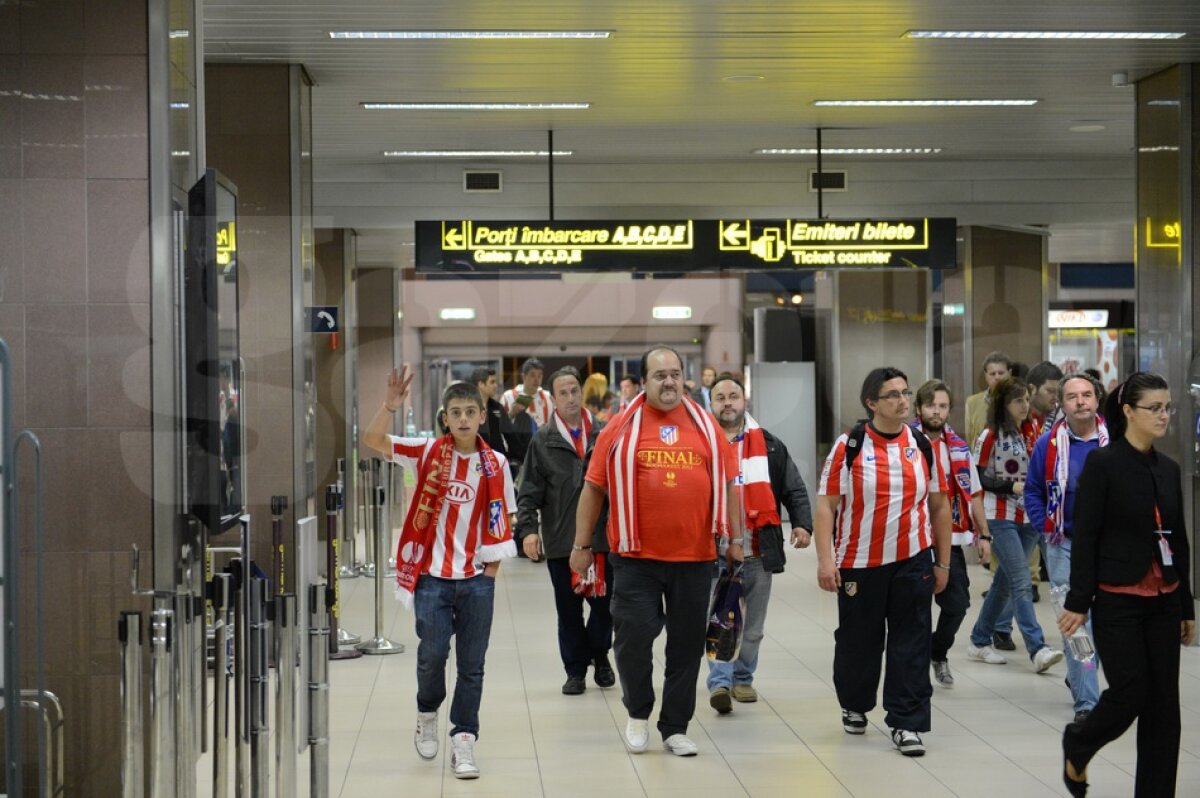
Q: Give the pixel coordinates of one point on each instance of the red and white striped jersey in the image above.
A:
(958, 465)
(464, 516)
(541, 409)
(1004, 457)
(883, 516)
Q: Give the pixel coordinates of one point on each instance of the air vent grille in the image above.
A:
(482, 181)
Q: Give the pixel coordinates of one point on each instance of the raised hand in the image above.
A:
(397, 387)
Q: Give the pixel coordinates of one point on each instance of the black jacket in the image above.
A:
(551, 481)
(494, 422)
(789, 490)
(1113, 537)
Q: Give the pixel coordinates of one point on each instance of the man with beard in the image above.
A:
(668, 473)
(1054, 468)
(968, 523)
(767, 478)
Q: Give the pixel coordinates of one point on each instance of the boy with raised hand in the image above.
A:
(458, 528)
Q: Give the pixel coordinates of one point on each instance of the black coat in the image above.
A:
(789, 490)
(492, 431)
(1113, 537)
(551, 481)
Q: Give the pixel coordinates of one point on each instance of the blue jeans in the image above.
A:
(1085, 683)
(756, 587)
(1012, 543)
(462, 608)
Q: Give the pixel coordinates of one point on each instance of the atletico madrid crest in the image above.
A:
(668, 435)
(851, 588)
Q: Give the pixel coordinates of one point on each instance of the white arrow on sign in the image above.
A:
(328, 318)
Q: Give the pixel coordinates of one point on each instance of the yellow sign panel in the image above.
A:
(226, 243)
(584, 237)
(1166, 235)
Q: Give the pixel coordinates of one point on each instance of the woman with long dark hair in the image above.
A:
(1002, 457)
(1129, 566)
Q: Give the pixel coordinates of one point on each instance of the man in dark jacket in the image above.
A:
(492, 429)
(768, 479)
(551, 479)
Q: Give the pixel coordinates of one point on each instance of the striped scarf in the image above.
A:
(621, 470)
(433, 479)
(1058, 466)
(759, 506)
(579, 442)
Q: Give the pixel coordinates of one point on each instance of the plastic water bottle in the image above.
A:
(410, 424)
(1079, 643)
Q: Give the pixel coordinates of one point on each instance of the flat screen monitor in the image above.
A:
(212, 368)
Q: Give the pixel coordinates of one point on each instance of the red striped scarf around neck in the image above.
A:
(420, 525)
(1057, 474)
(759, 506)
(579, 443)
(621, 469)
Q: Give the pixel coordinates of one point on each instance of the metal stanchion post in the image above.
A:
(318, 693)
(258, 639)
(372, 531)
(285, 696)
(241, 684)
(395, 483)
(379, 644)
(162, 704)
(346, 570)
(133, 764)
(222, 601)
(337, 636)
(278, 506)
(186, 690)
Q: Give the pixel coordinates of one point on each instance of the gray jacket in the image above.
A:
(551, 481)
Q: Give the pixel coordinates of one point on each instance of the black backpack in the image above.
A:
(859, 432)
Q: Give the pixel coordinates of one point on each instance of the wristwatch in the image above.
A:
(577, 547)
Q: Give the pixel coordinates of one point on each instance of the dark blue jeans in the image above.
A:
(462, 608)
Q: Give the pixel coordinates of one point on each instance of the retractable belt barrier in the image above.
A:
(338, 637)
(318, 692)
(379, 644)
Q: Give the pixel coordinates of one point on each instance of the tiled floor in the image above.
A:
(997, 733)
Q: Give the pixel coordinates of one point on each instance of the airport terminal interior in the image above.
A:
(226, 223)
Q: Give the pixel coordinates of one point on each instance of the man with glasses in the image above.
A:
(884, 490)
(1054, 469)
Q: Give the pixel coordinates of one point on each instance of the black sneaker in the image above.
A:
(1036, 595)
(604, 675)
(574, 685)
(909, 742)
(1003, 641)
(1082, 715)
(854, 722)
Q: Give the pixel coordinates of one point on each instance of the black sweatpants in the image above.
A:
(886, 606)
(649, 595)
(580, 643)
(1137, 638)
(953, 603)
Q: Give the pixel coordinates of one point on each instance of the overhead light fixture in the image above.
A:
(743, 78)
(179, 34)
(1160, 148)
(1163, 102)
(1040, 34)
(797, 299)
(181, 153)
(475, 153)
(180, 106)
(1085, 128)
(848, 151)
(442, 35)
(668, 312)
(457, 314)
(475, 106)
(917, 103)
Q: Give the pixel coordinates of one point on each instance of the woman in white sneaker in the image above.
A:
(1002, 457)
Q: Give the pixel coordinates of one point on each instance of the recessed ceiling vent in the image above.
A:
(827, 180)
(475, 182)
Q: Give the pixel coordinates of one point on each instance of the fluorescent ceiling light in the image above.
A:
(474, 153)
(179, 34)
(476, 106)
(1159, 148)
(1040, 34)
(848, 151)
(457, 314)
(469, 34)
(181, 153)
(672, 312)
(180, 106)
(1163, 102)
(917, 103)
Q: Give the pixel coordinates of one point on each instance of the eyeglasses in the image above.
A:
(1159, 410)
(894, 395)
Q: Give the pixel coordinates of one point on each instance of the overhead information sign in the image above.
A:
(683, 246)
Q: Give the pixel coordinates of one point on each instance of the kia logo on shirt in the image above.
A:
(460, 492)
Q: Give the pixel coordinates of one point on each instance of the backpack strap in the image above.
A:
(858, 433)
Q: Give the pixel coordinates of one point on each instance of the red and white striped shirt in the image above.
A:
(464, 516)
(539, 411)
(1004, 457)
(883, 516)
(958, 464)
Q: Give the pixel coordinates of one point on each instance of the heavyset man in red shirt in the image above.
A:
(888, 503)
(668, 473)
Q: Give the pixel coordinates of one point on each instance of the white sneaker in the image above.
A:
(1046, 657)
(680, 745)
(986, 654)
(637, 735)
(426, 738)
(462, 756)
(908, 742)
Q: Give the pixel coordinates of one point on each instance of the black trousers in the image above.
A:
(649, 595)
(886, 606)
(953, 603)
(1137, 638)
(579, 643)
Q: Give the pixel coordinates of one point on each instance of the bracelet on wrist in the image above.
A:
(988, 538)
(577, 547)
(391, 410)
(940, 565)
